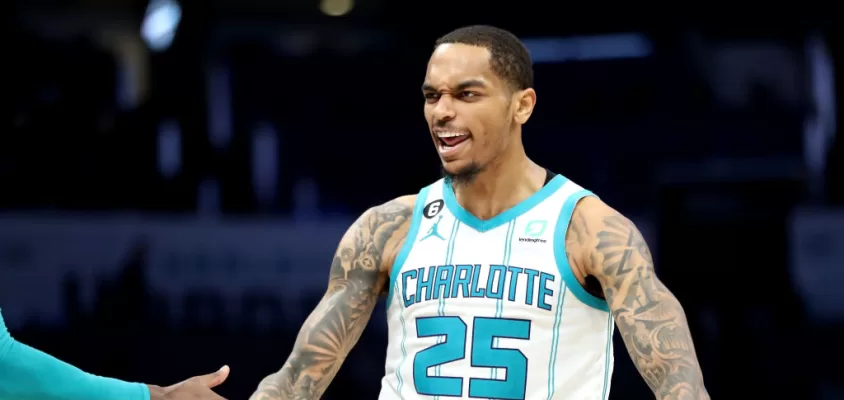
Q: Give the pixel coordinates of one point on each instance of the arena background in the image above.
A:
(175, 175)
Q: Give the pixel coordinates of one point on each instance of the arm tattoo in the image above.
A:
(649, 317)
(334, 327)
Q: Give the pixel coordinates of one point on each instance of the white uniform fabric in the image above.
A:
(491, 309)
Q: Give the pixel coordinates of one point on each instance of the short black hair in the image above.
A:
(509, 58)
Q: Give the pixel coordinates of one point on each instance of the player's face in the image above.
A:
(468, 108)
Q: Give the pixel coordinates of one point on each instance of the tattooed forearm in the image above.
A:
(649, 317)
(268, 389)
(334, 327)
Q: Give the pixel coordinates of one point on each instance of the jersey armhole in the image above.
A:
(412, 232)
(562, 260)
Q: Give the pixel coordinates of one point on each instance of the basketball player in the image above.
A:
(486, 270)
(28, 374)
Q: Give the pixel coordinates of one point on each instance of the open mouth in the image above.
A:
(450, 143)
(451, 139)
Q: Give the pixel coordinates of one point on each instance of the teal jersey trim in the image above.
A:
(562, 260)
(403, 348)
(555, 340)
(500, 219)
(415, 221)
(452, 243)
(605, 393)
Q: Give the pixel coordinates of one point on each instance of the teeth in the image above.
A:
(449, 134)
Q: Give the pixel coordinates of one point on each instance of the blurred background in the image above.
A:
(175, 175)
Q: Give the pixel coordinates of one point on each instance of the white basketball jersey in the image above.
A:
(490, 309)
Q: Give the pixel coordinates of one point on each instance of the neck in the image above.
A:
(507, 181)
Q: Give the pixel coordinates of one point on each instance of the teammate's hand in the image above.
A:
(196, 388)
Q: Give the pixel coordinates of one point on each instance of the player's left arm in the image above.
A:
(648, 315)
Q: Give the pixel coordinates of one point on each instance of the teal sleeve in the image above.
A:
(29, 374)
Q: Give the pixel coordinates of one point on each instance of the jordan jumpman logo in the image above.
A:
(433, 231)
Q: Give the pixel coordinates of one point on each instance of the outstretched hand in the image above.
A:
(196, 388)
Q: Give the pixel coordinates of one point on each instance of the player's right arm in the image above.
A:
(29, 374)
(358, 274)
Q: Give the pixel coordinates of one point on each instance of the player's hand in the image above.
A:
(196, 388)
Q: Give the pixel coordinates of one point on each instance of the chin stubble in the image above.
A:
(463, 177)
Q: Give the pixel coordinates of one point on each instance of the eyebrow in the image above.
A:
(427, 87)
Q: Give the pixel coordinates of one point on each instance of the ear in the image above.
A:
(524, 100)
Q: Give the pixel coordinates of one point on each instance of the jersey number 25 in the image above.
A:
(482, 355)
